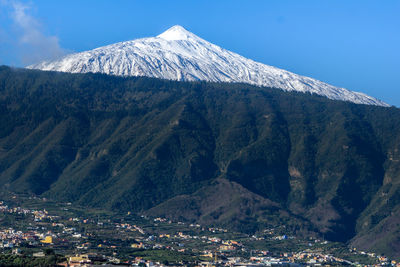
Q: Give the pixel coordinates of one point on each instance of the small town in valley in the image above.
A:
(199, 133)
(38, 231)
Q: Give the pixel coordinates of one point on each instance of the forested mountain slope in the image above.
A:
(232, 154)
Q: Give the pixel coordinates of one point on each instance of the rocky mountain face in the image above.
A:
(180, 55)
(235, 155)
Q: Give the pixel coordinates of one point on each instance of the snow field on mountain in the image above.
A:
(178, 54)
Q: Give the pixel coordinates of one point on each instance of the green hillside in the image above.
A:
(229, 154)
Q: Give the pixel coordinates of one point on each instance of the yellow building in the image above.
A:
(48, 240)
(208, 254)
(164, 235)
(135, 245)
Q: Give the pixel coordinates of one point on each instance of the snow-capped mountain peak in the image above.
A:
(178, 54)
(177, 32)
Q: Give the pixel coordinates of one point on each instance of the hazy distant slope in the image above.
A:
(178, 54)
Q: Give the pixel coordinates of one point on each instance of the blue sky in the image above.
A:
(352, 44)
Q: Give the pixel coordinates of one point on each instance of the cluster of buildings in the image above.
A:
(46, 230)
(34, 235)
(96, 260)
(39, 215)
(131, 227)
(17, 210)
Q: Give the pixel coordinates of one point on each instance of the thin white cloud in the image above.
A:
(33, 45)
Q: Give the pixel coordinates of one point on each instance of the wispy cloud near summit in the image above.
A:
(27, 34)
